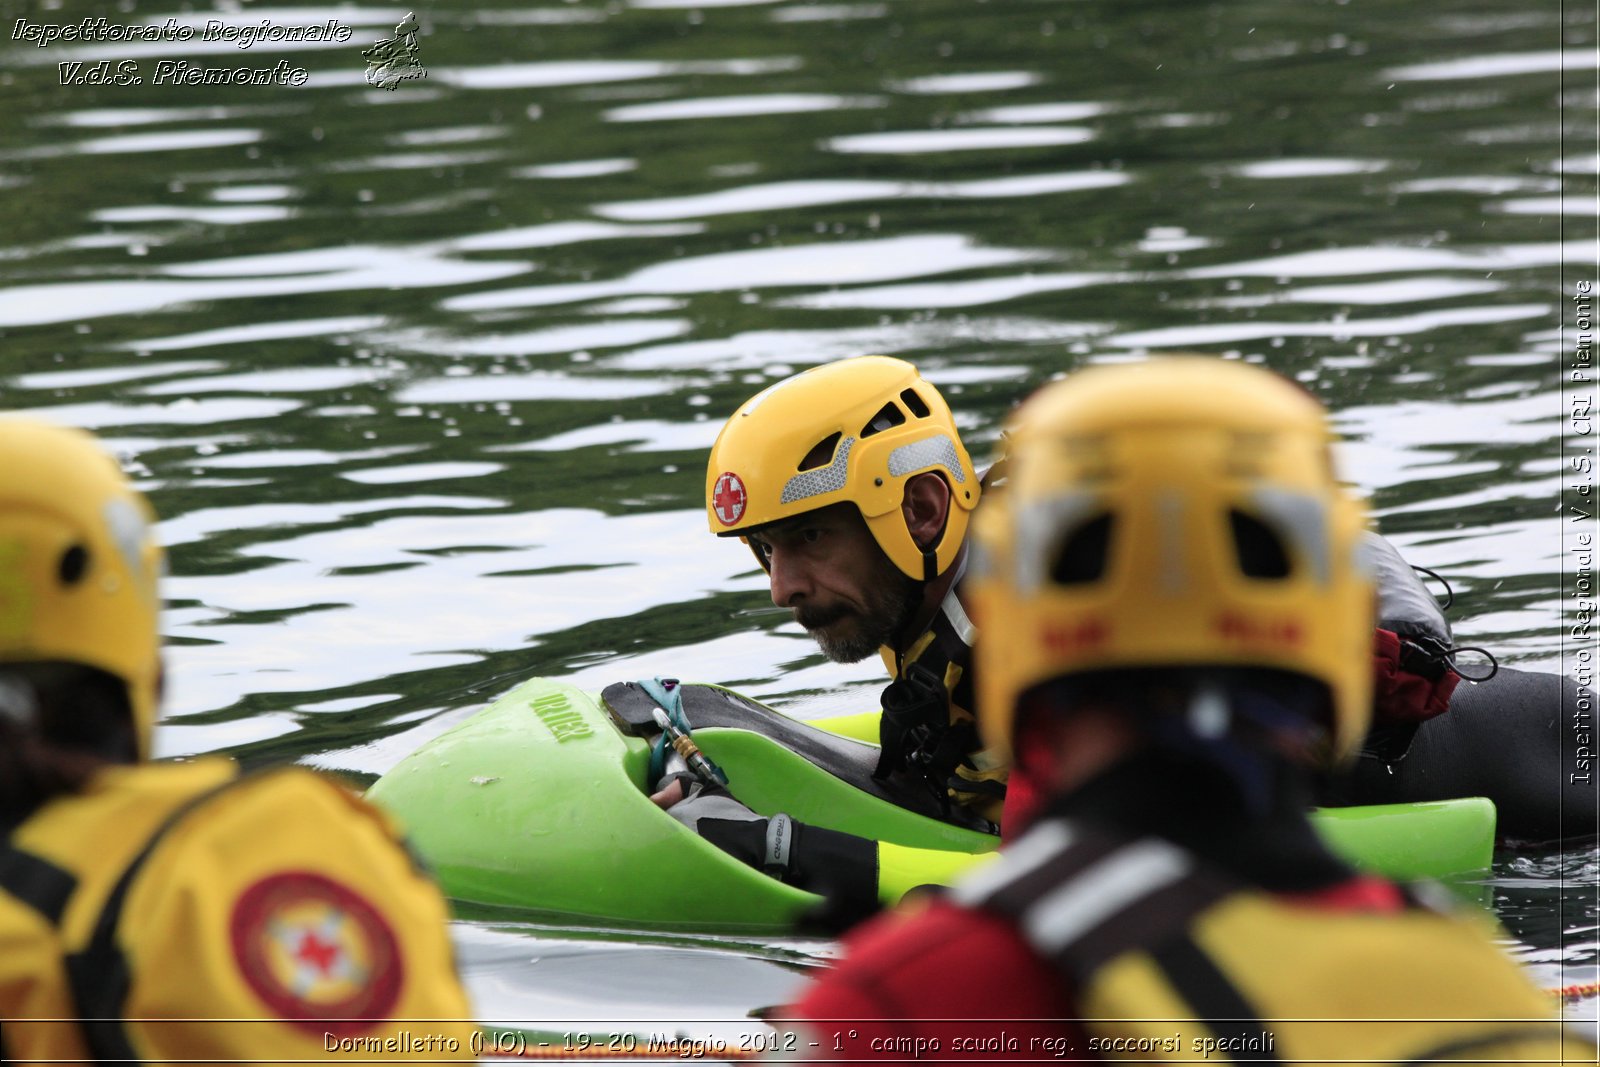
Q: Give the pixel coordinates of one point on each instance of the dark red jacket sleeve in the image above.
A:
(943, 983)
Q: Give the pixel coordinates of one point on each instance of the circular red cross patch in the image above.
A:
(316, 951)
(728, 498)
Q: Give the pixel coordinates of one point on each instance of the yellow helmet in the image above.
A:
(78, 562)
(1180, 512)
(855, 430)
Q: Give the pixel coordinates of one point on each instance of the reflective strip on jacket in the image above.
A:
(1085, 944)
(945, 648)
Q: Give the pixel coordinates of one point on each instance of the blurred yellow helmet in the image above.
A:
(79, 563)
(851, 431)
(1176, 513)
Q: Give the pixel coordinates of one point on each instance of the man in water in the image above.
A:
(850, 484)
(1177, 613)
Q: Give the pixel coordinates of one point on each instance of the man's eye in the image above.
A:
(811, 535)
(763, 549)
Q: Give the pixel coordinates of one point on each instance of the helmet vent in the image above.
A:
(1083, 554)
(74, 564)
(888, 417)
(821, 453)
(914, 403)
(1259, 549)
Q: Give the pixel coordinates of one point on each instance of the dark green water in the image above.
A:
(422, 381)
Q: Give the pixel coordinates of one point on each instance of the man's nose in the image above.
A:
(790, 578)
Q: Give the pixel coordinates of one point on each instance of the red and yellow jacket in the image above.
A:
(201, 915)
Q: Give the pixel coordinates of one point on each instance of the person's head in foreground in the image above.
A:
(1173, 567)
(850, 483)
(80, 663)
(1176, 621)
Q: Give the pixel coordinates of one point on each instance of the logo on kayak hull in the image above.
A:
(728, 498)
(556, 712)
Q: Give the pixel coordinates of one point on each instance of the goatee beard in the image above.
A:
(891, 604)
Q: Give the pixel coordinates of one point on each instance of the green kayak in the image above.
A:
(538, 802)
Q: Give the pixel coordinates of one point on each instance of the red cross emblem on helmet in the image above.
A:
(728, 498)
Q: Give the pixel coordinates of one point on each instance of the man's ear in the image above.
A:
(926, 505)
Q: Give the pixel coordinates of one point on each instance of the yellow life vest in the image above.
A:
(939, 663)
(1316, 986)
(1173, 961)
(180, 911)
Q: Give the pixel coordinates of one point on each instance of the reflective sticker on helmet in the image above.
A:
(1305, 518)
(827, 479)
(1174, 577)
(319, 955)
(1036, 537)
(728, 498)
(937, 451)
(129, 531)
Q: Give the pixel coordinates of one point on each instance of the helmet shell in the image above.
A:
(1180, 512)
(79, 563)
(855, 431)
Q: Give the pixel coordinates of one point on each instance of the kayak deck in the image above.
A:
(539, 803)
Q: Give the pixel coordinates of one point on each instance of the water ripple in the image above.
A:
(578, 168)
(1332, 262)
(998, 81)
(1065, 111)
(90, 376)
(259, 331)
(829, 12)
(959, 139)
(287, 380)
(552, 234)
(294, 273)
(800, 194)
(740, 106)
(536, 386)
(215, 216)
(600, 72)
(1177, 337)
(185, 412)
(1309, 168)
(548, 341)
(1499, 65)
(842, 262)
(138, 143)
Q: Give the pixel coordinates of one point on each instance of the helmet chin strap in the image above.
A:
(930, 554)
